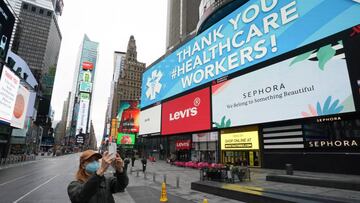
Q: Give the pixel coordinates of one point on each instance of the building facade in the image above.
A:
(182, 18)
(123, 110)
(241, 93)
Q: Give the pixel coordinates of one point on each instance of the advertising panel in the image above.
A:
(187, 113)
(315, 83)
(15, 62)
(87, 65)
(9, 85)
(82, 117)
(205, 137)
(20, 108)
(85, 86)
(79, 139)
(255, 32)
(84, 96)
(150, 120)
(7, 21)
(247, 140)
(86, 76)
(128, 117)
(126, 138)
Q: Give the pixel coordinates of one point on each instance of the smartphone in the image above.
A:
(112, 149)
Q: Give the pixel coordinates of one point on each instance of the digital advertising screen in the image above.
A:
(128, 117)
(9, 85)
(126, 139)
(313, 83)
(187, 113)
(20, 108)
(150, 120)
(255, 32)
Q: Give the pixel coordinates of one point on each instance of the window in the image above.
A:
(41, 11)
(33, 9)
(49, 13)
(25, 6)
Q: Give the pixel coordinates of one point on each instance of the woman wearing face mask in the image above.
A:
(91, 185)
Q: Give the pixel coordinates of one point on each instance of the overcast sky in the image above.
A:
(109, 22)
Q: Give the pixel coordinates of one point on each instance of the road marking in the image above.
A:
(22, 197)
(10, 181)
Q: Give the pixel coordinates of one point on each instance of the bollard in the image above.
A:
(201, 175)
(137, 173)
(145, 175)
(165, 178)
(154, 175)
(130, 170)
(177, 181)
(289, 169)
(205, 201)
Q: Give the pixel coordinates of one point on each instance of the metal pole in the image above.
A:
(177, 181)
(154, 175)
(137, 173)
(165, 178)
(145, 175)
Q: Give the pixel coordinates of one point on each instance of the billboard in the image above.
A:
(315, 83)
(9, 85)
(128, 117)
(150, 120)
(20, 108)
(126, 138)
(187, 113)
(20, 66)
(7, 21)
(87, 65)
(82, 117)
(85, 86)
(246, 140)
(255, 32)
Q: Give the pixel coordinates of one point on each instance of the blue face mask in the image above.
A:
(92, 167)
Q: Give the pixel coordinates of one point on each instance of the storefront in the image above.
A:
(205, 147)
(240, 147)
(289, 87)
(179, 147)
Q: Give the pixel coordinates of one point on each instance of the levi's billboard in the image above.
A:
(187, 113)
(255, 32)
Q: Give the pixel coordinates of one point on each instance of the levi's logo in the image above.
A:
(182, 144)
(186, 113)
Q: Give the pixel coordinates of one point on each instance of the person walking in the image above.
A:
(126, 162)
(144, 162)
(132, 160)
(91, 185)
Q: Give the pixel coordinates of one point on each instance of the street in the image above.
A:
(46, 180)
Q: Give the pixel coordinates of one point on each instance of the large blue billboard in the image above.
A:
(255, 32)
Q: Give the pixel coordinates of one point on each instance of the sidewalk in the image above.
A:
(183, 194)
(258, 179)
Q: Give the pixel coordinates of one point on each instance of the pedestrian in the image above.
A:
(144, 162)
(126, 162)
(91, 185)
(132, 160)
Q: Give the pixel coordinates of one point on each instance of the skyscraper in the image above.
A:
(79, 116)
(182, 19)
(37, 39)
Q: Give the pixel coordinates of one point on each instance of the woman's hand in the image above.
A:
(118, 163)
(105, 163)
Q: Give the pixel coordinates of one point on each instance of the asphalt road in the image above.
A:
(40, 181)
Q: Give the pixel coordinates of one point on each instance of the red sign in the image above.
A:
(87, 66)
(183, 144)
(187, 113)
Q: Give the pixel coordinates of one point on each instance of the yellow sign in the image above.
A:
(113, 128)
(248, 140)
